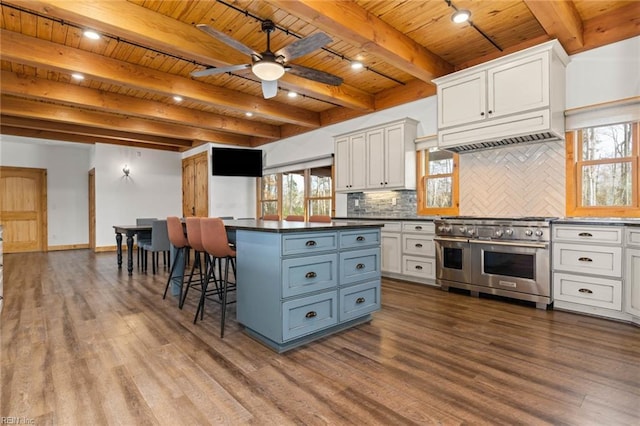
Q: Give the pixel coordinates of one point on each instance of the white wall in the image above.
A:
(152, 189)
(67, 167)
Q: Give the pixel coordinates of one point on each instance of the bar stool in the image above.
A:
(320, 218)
(270, 217)
(179, 241)
(294, 218)
(216, 245)
(194, 237)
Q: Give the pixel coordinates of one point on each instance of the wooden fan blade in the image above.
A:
(220, 70)
(230, 41)
(303, 46)
(269, 88)
(313, 74)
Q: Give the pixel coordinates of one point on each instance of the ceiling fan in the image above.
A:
(269, 66)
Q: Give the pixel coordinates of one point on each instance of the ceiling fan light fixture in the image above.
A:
(267, 70)
(460, 16)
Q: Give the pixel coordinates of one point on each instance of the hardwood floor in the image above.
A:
(83, 343)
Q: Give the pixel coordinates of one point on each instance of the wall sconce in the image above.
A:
(126, 170)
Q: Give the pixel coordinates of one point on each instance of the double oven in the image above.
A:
(505, 257)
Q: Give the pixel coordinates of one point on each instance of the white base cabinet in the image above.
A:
(391, 246)
(632, 273)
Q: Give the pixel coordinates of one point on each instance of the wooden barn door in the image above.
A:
(23, 209)
(195, 185)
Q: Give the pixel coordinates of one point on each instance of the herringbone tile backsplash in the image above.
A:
(520, 180)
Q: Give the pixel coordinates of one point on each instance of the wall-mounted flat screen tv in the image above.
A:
(236, 162)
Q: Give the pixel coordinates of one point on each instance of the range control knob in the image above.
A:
(509, 232)
(499, 233)
(539, 233)
(471, 232)
(528, 232)
(441, 228)
(462, 229)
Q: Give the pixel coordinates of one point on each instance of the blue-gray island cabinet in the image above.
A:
(298, 281)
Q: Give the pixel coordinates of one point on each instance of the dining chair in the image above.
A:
(143, 236)
(320, 218)
(270, 217)
(216, 245)
(159, 243)
(294, 218)
(179, 241)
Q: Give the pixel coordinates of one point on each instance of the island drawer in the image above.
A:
(360, 238)
(309, 314)
(359, 265)
(592, 291)
(419, 227)
(633, 236)
(308, 243)
(359, 300)
(586, 259)
(308, 274)
(421, 245)
(420, 267)
(588, 234)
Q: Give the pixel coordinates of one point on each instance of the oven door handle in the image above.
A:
(453, 240)
(511, 243)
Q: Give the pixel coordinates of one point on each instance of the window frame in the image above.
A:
(574, 165)
(422, 175)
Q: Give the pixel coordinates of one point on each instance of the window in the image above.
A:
(304, 192)
(437, 182)
(602, 171)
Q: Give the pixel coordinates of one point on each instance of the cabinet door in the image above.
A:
(358, 162)
(632, 282)
(343, 164)
(375, 159)
(462, 101)
(518, 86)
(394, 158)
(391, 253)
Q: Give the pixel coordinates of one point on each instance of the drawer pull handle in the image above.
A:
(585, 259)
(419, 268)
(360, 238)
(310, 275)
(585, 290)
(360, 300)
(360, 266)
(310, 243)
(418, 228)
(419, 245)
(311, 314)
(585, 234)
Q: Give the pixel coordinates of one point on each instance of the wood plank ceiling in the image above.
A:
(148, 48)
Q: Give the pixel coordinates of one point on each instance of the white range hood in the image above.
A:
(519, 98)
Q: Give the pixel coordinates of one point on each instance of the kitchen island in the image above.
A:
(298, 281)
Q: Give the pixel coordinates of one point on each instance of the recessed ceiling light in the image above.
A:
(77, 76)
(177, 98)
(91, 34)
(248, 114)
(292, 94)
(356, 65)
(460, 16)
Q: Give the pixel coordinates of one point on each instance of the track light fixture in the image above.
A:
(463, 15)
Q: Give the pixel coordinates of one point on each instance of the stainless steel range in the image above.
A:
(505, 257)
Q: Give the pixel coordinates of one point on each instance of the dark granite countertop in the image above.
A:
(286, 227)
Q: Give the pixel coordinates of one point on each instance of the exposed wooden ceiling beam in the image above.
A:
(70, 94)
(145, 27)
(54, 112)
(560, 20)
(350, 22)
(89, 133)
(47, 55)
(619, 24)
(72, 137)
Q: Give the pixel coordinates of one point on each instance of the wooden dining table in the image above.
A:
(130, 231)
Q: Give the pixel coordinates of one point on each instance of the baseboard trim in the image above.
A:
(68, 247)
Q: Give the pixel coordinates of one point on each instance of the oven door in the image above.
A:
(514, 266)
(453, 260)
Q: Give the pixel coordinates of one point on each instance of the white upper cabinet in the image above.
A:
(517, 98)
(381, 157)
